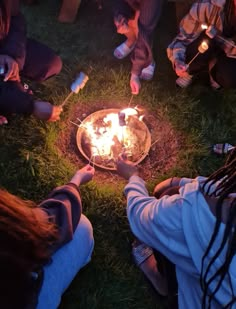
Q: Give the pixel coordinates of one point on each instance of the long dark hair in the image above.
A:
(25, 242)
(227, 177)
(5, 17)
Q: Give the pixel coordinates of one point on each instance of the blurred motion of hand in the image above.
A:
(126, 168)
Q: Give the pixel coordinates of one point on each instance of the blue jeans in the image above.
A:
(66, 263)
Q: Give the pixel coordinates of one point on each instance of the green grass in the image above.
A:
(31, 164)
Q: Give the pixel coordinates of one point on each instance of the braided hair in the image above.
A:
(227, 185)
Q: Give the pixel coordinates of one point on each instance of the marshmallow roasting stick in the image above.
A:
(76, 86)
(212, 32)
(202, 48)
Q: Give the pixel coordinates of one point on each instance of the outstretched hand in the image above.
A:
(85, 174)
(126, 168)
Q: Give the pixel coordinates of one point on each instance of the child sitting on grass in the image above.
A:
(20, 56)
(192, 223)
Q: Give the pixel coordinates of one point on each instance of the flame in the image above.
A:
(109, 132)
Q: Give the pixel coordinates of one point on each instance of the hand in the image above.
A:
(121, 24)
(56, 113)
(83, 175)
(12, 67)
(181, 68)
(229, 48)
(126, 168)
(135, 84)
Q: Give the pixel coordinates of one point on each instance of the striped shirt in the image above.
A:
(202, 13)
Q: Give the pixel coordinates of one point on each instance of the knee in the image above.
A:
(56, 65)
(86, 235)
(51, 68)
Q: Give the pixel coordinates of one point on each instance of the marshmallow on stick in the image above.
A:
(202, 48)
(77, 85)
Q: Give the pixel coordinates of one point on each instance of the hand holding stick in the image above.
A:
(202, 48)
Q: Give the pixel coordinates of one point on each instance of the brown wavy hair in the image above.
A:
(25, 242)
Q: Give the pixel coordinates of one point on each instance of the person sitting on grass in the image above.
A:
(43, 247)
(20, 56)
(219, 17)
(192, 223)
(137, 21)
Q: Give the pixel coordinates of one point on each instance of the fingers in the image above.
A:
(56, 112)
(135, 84)
(122, 157)
(9, 71)
(90, 168)
(12, 71)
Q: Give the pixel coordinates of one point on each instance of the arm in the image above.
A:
(150, 12)
(14, 45)
(63, 206)
(156, 222)
(189, 30)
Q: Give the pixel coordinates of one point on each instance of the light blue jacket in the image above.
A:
(180, 227)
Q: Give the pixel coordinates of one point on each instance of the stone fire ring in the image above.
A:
(134, 125)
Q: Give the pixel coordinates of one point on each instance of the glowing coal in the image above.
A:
(103, 135)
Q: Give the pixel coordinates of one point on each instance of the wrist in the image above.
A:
(76, 179)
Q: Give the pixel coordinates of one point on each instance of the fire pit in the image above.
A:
(103, 135)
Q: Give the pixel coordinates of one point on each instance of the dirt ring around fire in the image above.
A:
(163, 154)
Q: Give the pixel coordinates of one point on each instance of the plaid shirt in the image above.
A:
(202, 12)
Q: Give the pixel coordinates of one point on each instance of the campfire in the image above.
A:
(103, 135)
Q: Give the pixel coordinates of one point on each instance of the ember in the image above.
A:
(103, 135)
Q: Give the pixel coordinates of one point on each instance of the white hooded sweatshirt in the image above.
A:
(180, 227)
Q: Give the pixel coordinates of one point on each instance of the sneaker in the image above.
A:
(184, 82)
(148, 72)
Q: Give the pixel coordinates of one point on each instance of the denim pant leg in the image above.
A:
(66, 263)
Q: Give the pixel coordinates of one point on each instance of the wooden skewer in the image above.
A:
(131, 99)
(75, 123)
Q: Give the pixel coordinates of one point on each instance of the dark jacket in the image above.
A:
(13, 43)
(62, 207)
